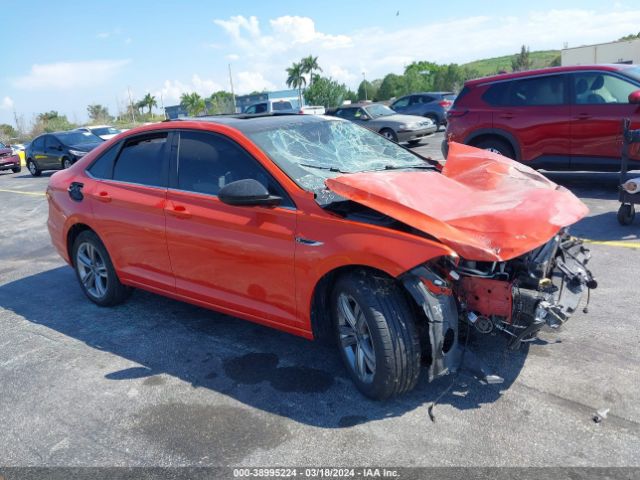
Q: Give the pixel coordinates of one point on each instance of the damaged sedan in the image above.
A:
(323, 229)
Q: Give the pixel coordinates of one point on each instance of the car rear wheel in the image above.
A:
(626, 214)
(389, 134)
(95, 272)
(496, 145)
(434, 119)
(33, 168)
(66, 162)
(376, 334)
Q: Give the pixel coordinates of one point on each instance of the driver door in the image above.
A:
(239, 259)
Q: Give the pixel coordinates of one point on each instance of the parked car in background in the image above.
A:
(555, 118)
(313, 110)
(381, 119)
(433, 105)
(9, 160)
(105, 132)
(18, 149)
(320, 228)
(58, 150)
(271, 106)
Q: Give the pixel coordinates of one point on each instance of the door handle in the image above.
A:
(179, 211)
(583, 116)
(507, 115)
(103, 197)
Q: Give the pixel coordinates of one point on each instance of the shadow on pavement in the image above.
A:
(261, 367)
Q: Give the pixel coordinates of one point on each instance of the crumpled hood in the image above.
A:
(483, 205)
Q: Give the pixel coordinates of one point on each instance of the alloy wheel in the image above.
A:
(355, 338)
(92, 270)
(32, 168)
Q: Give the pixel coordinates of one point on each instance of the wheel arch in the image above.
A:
(72, 233)
(498, 134)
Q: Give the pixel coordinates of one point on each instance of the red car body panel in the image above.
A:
(168, 241)
(483, 205)
(567, 136)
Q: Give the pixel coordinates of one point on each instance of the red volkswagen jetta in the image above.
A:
(321, 228)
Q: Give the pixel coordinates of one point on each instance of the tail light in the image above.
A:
(445, 103)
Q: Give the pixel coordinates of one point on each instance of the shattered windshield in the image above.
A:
(311, 152)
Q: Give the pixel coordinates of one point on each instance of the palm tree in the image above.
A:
(149, 101)
(295, 79)
(192, 103)
(309, 65)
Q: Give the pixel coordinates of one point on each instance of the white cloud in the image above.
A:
(233, 57)
(103, 35)
(68, 75)
(171, 90)
(382, 50)
(253, 81)
(6, 104)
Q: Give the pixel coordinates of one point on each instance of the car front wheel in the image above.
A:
(389, 134)
(496, 146)
(95, 272)
(376, 334)
(33, 168)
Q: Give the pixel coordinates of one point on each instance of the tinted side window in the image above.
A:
(495, 95)
(281, 106)
(207, 162)
(103, 166)
(261, 108)
(348, 113)
(548, 90)
(53, 142)
(37, 144)
(403, 102)
(592, 88)
(143, 160)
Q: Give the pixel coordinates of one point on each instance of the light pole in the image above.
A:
(364, 83)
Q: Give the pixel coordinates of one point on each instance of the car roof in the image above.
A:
(254, 123)
(612, 67)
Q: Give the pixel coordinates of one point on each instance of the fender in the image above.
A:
(499, 133)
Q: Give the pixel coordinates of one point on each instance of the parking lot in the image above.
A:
(159, 382)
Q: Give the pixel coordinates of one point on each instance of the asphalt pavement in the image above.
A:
(156, 382)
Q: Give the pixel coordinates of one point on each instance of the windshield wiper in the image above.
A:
(320, 167)
(402, 167)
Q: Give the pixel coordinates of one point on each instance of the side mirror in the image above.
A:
(365, 117)
(634, 97)
(248, 193)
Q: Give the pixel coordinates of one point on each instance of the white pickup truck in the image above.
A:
(313, 110)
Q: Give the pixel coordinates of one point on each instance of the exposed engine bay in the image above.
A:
(520, 296)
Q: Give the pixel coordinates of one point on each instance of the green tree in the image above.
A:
(390, 87)
(7, 133)
(367, 90)
(328, 93)
(193, 103)
(149, 101)
(522, 61)
(221, 102)
(310, 65)
(295, 79)
(556, 62)
(629, 37)
(98, 113)
(51, 121)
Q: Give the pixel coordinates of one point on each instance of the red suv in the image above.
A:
(556, 118)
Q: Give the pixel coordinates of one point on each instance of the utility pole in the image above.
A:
(133, 115)
(164, 112)
(364, 83)
(233, 95)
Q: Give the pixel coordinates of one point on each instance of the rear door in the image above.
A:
(238, 258)
(401, 105)
(536, 112)
(128, 200)
(37, 151)
(599, 104)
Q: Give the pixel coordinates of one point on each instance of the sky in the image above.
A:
(65, 55)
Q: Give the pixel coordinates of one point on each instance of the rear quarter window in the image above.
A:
(461, 95)
(143, 160)
(282, 106)
(496, 94)
(102, 167)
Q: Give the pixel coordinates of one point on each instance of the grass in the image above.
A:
(490, 66)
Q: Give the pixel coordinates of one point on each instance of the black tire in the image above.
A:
(496, 145)
(413, 143)
(16, 169)
(114, 291)
(66, 163)
(390, 332)
(389, 134)
(626, 214)
(33, 168)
